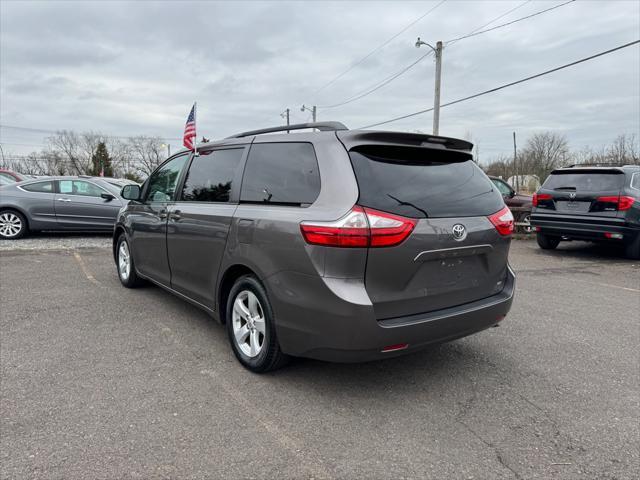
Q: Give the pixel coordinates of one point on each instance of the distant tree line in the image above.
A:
(546, 151)
(89, 153)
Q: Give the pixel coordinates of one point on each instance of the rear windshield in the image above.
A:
(585, 181)
(413, 186)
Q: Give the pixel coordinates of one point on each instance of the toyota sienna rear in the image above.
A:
(338, 245)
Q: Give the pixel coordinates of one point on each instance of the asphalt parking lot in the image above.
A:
(103, 382)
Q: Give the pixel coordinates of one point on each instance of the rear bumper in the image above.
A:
(344, 327)
(583, 228)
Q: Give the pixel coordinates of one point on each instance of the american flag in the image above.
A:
(190, 129)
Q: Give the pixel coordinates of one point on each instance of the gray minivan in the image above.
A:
(333, 244)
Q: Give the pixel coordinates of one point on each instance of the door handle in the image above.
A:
(175, 215)
(64, 200)
(162, 214)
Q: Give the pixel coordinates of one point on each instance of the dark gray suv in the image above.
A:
(592, 203)
(333, 244)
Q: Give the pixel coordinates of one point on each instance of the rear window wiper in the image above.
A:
(565, 188)
(409, 204)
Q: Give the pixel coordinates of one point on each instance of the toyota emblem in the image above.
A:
(459, 232)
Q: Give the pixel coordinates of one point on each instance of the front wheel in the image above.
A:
(124, 261)
(251, 327)
(13, 225)
(546, 242)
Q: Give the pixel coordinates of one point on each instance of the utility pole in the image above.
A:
(313, 111)
(436, 96)
(285, 114)
(515, 162)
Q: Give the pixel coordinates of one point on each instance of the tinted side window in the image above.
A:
(635, 181)
(281, 173)
(42, 187)
(79, 187)
(163, 182)
(210, 176)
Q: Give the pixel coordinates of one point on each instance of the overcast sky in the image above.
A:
(129, 68)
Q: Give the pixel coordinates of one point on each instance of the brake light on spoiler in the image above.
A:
(361, 227)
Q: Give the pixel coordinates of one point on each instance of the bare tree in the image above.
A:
(76, 149)
(146, 153)
(543, 152)
(624, 150)
(501, 167)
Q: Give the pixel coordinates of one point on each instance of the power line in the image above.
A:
(379, 85)
(535, 14)
(54, 132)
(497, 18)
(506, 85)
(405, 69)
(377, 49)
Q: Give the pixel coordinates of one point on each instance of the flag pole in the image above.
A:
(195, 124)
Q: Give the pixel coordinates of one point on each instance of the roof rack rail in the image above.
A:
(597, 164)
(322, 126)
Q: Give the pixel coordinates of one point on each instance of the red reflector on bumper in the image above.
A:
(617, 236)
(394, 348)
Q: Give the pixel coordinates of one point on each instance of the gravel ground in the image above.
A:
(103, 382)
(57, 241)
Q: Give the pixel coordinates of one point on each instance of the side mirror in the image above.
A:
(130, 192)
(107, 196)
(512, 194)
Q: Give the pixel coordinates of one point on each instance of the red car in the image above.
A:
(519, 204)
(7, 176)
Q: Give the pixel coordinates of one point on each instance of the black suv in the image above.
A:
(600, 204)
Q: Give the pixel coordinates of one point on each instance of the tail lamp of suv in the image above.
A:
(537, 197)
(622, 202)
(503, 221)
(360, 227)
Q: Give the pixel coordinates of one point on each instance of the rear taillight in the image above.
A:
(539, 196)
(622, 202)
(360, 227)
(503, 221)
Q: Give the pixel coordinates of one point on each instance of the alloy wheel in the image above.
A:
(526, 227)
(124, 261)
(248, 323)
(10, 224)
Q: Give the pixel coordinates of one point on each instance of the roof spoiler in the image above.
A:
(355, 138)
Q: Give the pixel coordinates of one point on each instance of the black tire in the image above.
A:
(9, 219)
(131, 279)
(632, 249)
(547, 242)
(269, 356)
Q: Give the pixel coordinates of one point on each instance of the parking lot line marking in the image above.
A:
(315, 468)
(84, 268)
(629, 289)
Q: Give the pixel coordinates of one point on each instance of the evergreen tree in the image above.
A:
(100, 161)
